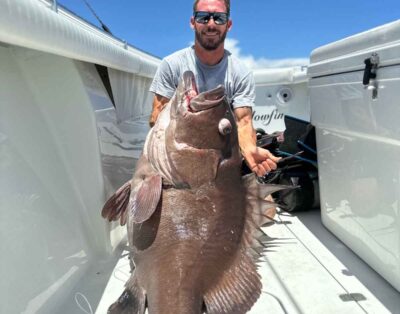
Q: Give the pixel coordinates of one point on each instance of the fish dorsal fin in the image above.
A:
(116, 206)
(237, 290)
(240, 285)
(260, 209)
(260, 206)
(146, 198)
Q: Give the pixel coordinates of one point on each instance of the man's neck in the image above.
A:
(209, 57)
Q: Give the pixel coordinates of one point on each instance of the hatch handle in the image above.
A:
(371, 65)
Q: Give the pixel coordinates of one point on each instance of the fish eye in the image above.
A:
(224, 126)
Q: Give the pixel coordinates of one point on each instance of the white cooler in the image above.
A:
(355, 106)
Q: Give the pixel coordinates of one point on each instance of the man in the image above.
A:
(213, 65)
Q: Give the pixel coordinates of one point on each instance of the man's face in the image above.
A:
(210, 36)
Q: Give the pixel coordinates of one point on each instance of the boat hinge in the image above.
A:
(369, 82)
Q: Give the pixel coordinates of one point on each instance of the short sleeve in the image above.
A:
(163, 82)
(244, 92)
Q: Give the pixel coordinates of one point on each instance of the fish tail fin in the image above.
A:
(131, 301)
(115, 207)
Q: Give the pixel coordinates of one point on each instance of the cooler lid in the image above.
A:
(348, 54)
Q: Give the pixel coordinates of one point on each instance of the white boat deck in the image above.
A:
(306, 270)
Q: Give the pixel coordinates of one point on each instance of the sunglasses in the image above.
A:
(203, 17)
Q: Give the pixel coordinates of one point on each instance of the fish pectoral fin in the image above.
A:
(115, 207)
(237, 290)
(131, 301)
(146, 198)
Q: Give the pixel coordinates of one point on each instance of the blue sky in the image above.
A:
(266, 32)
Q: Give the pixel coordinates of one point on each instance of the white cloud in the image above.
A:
(232, 45)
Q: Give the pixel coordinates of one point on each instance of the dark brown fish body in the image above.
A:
(192, 219)
(189, 241)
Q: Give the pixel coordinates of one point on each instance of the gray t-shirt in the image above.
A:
(230, 72)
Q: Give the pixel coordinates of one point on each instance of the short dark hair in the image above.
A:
(227, 5)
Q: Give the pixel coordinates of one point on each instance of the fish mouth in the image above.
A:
(207, 100)
(196, 102)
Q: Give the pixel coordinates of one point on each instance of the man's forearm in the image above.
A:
(246, 133)
(158, 105)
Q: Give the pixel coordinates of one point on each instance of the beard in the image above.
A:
(210, 43)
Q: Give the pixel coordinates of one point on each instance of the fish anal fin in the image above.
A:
(237, 290)
(146, 198)
(131, 301)
(116, 206)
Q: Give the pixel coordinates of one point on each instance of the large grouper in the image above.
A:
(193, 221)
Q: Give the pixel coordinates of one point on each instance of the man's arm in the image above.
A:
(258, 159)
(158, 105)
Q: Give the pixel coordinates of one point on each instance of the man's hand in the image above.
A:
(260, 160)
